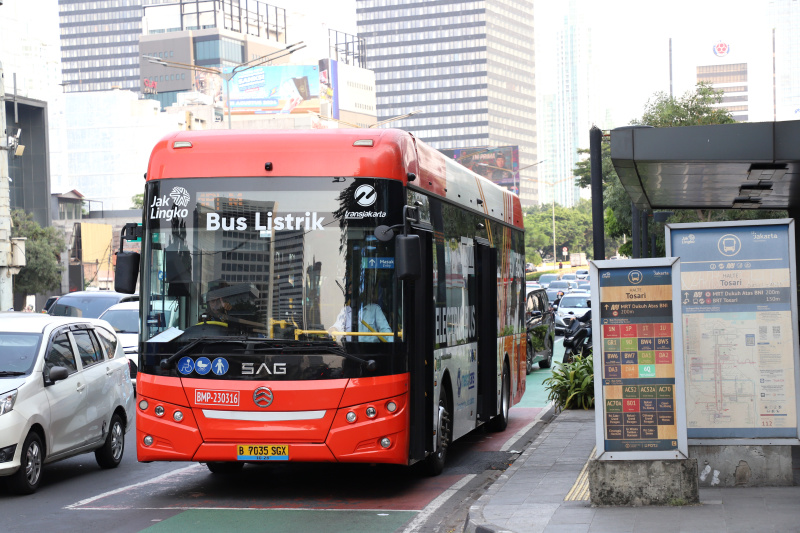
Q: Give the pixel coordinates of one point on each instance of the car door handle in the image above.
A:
(81, 387)
(109, 371)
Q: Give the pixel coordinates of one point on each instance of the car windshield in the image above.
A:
(548, 278)
(122, 320)
(559, 285)
(295, 261)
(579, 302)
(87, 306)
(18, 353)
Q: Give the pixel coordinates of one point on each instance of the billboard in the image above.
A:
(500, 164)
(274, 89)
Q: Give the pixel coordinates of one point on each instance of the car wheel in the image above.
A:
(225, 468)
(435, 462)
(529, 359)
(26, 479)
(548, 359)
(109, 455)
(500, 422)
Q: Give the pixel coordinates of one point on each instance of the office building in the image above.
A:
(467, 66)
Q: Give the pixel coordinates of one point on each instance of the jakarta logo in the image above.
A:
(721, 49)
(365, 195)
(180, 196)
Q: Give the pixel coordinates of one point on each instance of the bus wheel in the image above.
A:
(500, 422)
(444, 435)
(225, 468)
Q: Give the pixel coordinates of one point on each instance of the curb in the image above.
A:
(475, 522)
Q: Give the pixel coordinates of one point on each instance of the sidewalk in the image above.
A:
(542, 492)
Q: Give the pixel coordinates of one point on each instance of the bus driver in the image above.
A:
(370, 318)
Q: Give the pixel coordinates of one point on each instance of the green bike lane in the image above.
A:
(331, 498)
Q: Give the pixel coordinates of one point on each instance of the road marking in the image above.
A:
(580, 490)
(179, 471)
(432, 507)
(518, 435)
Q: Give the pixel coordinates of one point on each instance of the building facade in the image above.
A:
(466, 66)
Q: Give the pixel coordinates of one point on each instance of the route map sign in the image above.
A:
(738, 301)
(638, 369)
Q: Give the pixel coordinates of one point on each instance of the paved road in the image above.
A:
(77, 495)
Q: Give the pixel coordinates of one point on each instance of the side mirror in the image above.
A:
(127, 273)
(58, 373)
(407, 262)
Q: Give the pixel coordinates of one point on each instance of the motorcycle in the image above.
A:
(578, 337)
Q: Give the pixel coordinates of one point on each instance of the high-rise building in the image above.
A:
(100, 44)
(564, 96)
(784, 20)
(466, 65)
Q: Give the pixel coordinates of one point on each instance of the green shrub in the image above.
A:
(572, 384)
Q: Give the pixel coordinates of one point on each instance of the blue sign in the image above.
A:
(202, 366)
(377, 262)
(219, 366)
(186, 365)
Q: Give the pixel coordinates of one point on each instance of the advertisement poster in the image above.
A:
(638, 390)
(501, 164)
(738, 293)
(275, 89)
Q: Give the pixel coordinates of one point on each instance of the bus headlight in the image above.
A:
(159, 410)
(178, 416)
(148, 441)
(371, 412)
(351, 417)
(386, 442)
(143, 405)
(391, 407)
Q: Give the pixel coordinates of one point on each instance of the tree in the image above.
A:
(573, 230)
(42, 270)
(692, 109)
(138, 201)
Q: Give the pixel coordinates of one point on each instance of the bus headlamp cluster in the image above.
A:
(159, 411)
(371, 411)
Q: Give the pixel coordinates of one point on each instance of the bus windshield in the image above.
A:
(259, 262)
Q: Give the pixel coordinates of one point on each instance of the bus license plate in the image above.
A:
(262, 452)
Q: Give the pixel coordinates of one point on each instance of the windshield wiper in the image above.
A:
(5, 373)
(268, 345)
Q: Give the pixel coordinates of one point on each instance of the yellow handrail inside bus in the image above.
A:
(335, 333)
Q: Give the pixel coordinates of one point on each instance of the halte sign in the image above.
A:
(637, 360)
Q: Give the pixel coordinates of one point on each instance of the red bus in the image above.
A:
(324, 295)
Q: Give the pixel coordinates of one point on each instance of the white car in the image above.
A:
(582, 274)
(64, 390)
(571, 306)
(124, 318)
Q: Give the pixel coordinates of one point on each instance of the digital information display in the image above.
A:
(738, 301)
(637, 358)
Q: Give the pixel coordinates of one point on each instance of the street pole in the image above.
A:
(554, 225)
(6, 286)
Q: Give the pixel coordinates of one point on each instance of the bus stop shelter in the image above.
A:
(727, 166)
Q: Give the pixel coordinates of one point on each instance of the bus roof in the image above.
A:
(374, 153)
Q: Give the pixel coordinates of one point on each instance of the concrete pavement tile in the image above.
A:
(566, 528)
(544, 497)
(495, 513)
(572, 516)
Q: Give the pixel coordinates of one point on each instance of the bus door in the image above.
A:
(419, 322)
(486, 322)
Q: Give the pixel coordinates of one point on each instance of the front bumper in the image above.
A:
(13, 428)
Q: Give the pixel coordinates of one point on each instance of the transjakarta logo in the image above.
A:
(309, 222)
(161, 208)
(365, 196)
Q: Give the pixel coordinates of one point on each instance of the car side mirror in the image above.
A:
(58, 373)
